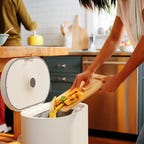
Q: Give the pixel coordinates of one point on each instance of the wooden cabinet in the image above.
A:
(117, 111)
(62, 73)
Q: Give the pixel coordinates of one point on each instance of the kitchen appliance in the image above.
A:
(114, 112)
(25, 85)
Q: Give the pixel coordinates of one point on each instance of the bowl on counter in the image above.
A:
(3, 38)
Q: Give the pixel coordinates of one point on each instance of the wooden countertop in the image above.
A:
(95, 52)
(9, 52)
(26, 51)
(29, 51)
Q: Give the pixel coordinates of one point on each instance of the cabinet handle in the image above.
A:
(61, 65)
(61, 78)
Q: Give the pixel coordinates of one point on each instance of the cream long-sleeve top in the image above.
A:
(130, 13)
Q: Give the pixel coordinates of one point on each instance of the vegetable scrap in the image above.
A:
(69, 98)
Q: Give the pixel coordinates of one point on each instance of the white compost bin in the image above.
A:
(25, 84)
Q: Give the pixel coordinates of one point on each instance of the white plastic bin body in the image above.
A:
(70, 129)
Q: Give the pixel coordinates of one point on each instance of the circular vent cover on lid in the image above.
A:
(25, 82)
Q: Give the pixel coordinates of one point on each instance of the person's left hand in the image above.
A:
(111, 83)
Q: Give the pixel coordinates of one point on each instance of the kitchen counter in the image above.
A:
(95, 52)
(28, 51)
(8, 52)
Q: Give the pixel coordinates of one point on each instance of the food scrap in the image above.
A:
(67, 99)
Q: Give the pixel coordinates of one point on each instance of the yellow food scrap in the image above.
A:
(70, 101)
(52, 112)
(69, 98)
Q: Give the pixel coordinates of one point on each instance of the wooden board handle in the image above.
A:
(76, 20)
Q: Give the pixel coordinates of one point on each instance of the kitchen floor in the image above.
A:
(101, 140)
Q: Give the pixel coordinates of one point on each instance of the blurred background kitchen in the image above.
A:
(51, 14)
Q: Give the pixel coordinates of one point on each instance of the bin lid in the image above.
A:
(25, 82)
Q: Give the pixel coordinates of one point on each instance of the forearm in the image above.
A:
(134, 61)
(107, 50)
(110, 45)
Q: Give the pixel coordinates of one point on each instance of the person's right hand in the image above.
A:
(82, 78)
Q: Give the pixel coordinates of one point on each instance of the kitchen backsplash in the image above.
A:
(50, 15)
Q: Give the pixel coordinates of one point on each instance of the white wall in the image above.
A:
(103, 19)
(50, 14)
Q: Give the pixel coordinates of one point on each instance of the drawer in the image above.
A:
(62, 78)
(65, 64)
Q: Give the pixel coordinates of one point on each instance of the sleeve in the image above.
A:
(24, 16)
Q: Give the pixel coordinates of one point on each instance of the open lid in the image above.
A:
(25, 82)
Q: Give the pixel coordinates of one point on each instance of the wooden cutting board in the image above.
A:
(94, 85)
(79, 36)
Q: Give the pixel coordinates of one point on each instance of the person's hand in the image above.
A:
(111, 83)
(81, 80)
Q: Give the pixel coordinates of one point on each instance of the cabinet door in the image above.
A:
(64, 64)
(62, 73)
